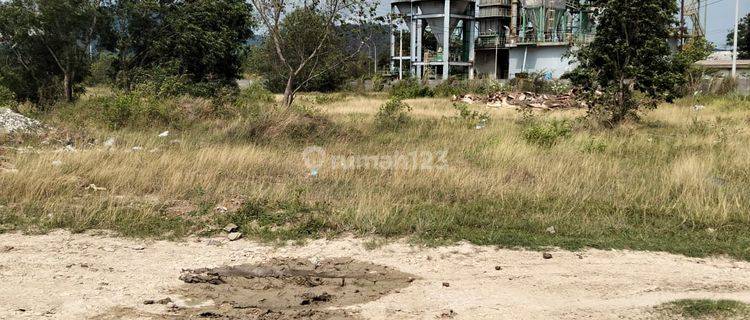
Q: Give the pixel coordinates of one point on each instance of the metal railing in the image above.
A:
(493, 12)
(552, 37)
(494, 2)
(484, 42)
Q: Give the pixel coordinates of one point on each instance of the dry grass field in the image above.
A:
(676, 180)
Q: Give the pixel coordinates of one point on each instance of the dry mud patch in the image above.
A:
(277, 289)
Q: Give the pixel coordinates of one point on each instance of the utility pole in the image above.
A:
(736, 26)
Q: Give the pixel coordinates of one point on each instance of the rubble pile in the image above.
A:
(11, 122)
(522, 100)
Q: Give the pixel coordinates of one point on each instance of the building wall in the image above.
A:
(484, 63)
(546, 58)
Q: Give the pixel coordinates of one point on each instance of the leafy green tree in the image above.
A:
(44, 46)
(629, 54)
(202, 40)
(300, 31)
(303, 59)
(743, 38)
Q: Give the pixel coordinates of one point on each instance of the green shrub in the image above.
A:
(470, 117)
(7, 98)
(594, 146)
(546, 134)
(392, 115)
(378, 83)
(252, 97)
(102, 70)
(408, 89)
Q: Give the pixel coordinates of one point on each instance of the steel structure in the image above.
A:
(450, 22)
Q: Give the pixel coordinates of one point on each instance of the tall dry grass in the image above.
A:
(675, 181)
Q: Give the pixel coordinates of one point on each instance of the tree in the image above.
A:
(203, 40)
(45, 45)
(743, 38)
(302, 60)
(333, 66)
(629, 53)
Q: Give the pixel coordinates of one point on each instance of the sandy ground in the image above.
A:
(75, 276)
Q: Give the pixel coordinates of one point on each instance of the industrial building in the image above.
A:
(499, 39)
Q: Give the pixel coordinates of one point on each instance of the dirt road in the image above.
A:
(74, 276)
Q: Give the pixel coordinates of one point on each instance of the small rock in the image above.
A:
(446, 284)
(551, 230)
(164, 134)
(498, 268)
(547, 255)
(448, 314)
(580, 256)
(234, 236)
(711, 230)
(410, 279)
(231, 227)
(138, 247)
(108, 249)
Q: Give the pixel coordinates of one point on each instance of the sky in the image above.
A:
(720, 17)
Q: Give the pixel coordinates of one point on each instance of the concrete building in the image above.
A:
(497, 39)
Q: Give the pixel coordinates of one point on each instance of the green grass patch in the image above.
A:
(709, 309)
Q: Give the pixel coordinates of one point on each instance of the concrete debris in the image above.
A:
(231, 227)
(523, 100)
(11, 122)
(551, 230)
(234, 236)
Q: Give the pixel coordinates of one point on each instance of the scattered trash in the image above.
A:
(234, 236)
(523, 99)
(446, 284)
(698, 107)
(711, 230)
(109, 143)
(56, 163)
(231, 227)
(137, 148)
(551, 230)
(498, 268)
(547, 255)
(93, 187)
(70, 148)
(164, 134)
(221, 209)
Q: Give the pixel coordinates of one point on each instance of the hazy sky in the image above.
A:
(721, 19)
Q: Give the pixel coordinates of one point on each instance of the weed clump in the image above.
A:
(393, 114)
(409, 89)
(546, 134)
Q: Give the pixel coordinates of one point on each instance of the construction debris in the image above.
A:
(522, 100)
